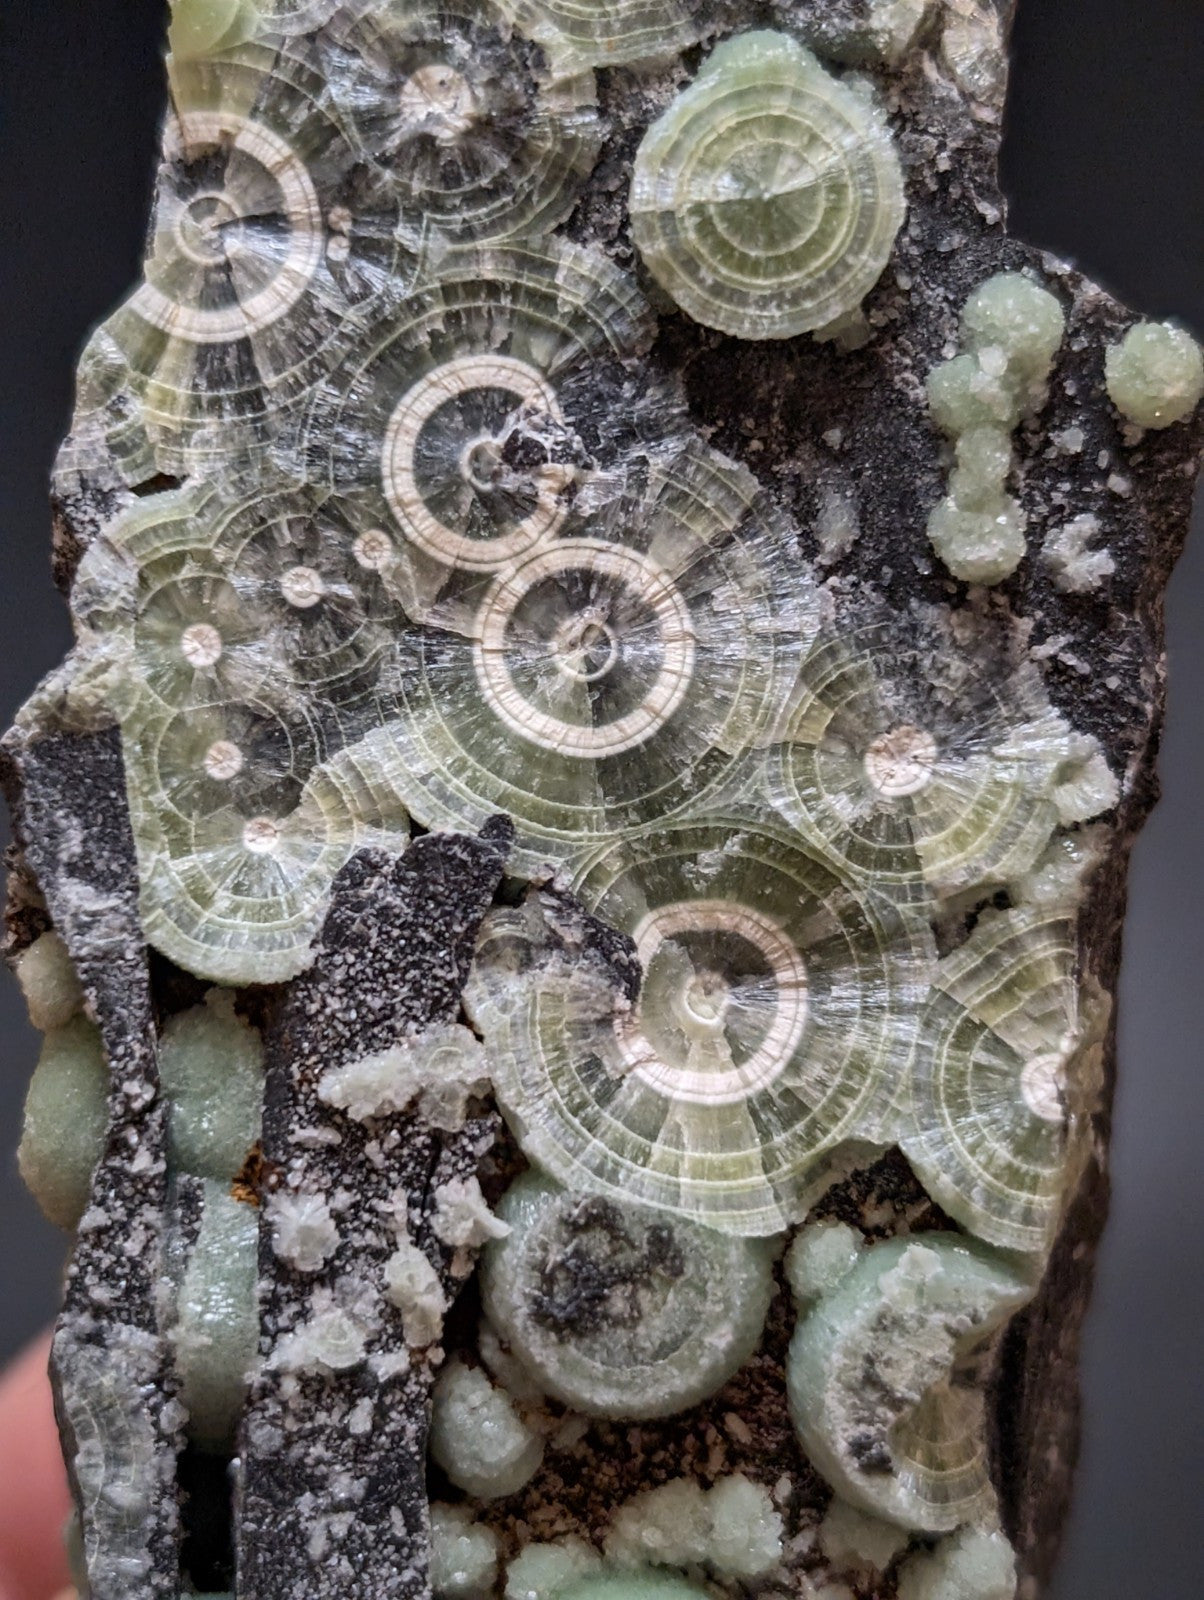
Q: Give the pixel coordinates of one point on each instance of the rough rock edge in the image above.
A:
(111, 1367)
(328, 1504)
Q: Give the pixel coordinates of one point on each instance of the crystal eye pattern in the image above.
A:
(611, 33)
(254, 268)
(463, 426)
(609, 676)
(776, 1015)
(767, 198)
(920, 762)
(997, 1109)
(450, 103)
(249, 661)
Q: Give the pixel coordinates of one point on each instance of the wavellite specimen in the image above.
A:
(1008, 1059)
(621, 1310)
(776, 1016)
(916, 759)
(767, 198)
(572, 875)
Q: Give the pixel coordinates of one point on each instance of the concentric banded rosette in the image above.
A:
(249, 657)
(767, 198)
(881, 1384)
(1002, 1077)
(775, 1021)
(920, 762)
(239, 837)
(214, 598)
(463, 424)
(288, 17)
(267, 245)
(611, 676)
(610, 33)
(450, 102)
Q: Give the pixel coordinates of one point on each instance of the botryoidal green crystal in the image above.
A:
(767, 198)
(692, 1306)
(585, 433)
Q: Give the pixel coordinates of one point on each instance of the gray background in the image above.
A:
(1104, 162)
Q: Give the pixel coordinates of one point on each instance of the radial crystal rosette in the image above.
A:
(268, 245)
(610, 676)
(460, 427)
(455, 108)
(1003, 1077)
(775, 1021)
(616, 1309)
(767, 198)
(248, 656)
(912, 760)
(609, 33)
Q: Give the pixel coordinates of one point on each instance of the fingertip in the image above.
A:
(34, 1498)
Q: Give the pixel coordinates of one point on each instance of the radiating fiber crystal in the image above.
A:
(572, 877)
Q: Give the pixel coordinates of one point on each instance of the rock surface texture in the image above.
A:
(574, 874)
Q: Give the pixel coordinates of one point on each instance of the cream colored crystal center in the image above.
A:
(448, 383)
(201, 645)
(705, 1072)
(901, 762)
(437, 99)
(1042, 1085)
(571, 655)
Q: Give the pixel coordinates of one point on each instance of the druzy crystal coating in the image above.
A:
(767, 198)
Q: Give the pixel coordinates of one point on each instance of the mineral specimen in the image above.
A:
(572, 876)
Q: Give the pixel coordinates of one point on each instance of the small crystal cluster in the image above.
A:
(406, 526)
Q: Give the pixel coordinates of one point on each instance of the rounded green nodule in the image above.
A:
(689, 1312)
(766, 200)
(1155, 375)
(66, 1114)
(634, 1586)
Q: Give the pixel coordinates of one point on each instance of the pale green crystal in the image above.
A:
(732, 1528)
(478, 1437)
(872, 1386)
(609, 33)
(997, 1109)
(49, 982)
(691, 1313)
(545, 1571)
(774, 1024)
(767, 198)
(634, 1586)
(1155, 375)
(211, 1068)
(968, 1565)
(66, 1114)
(216, 1334)
(914, 762)
(446, 100)
(464, 1554)
(820, 1255)
(979, 546)
(1012, 330)
(198, 27)
(1010, 312)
